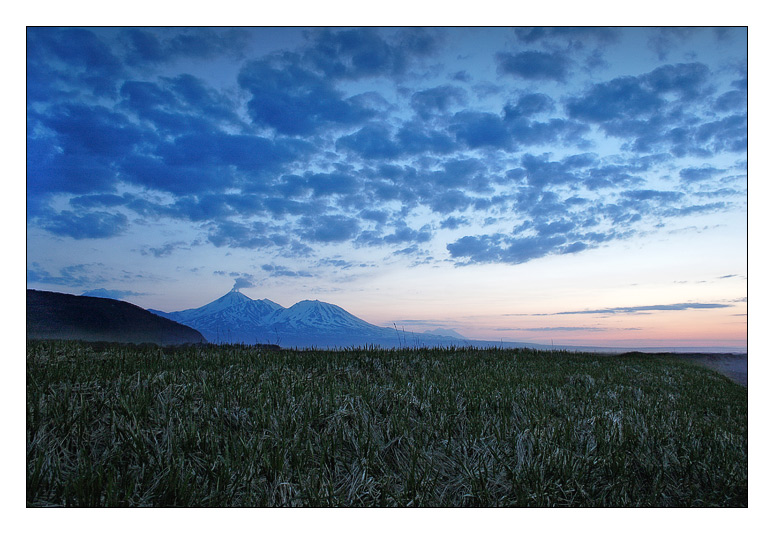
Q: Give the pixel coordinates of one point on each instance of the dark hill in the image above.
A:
(61, 316)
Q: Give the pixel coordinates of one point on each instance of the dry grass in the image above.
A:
(238, 426)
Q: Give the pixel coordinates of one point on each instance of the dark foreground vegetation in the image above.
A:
(240, 426)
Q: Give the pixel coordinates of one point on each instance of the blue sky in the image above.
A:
(584, 185)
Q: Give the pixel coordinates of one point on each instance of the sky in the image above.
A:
(574, 185)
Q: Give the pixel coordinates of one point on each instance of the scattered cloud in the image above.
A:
(366, 137)
(644, 309)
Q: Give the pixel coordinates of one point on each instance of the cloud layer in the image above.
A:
(376, 140)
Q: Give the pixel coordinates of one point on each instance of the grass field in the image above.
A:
(240, 426)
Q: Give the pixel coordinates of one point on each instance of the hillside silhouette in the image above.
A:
(53, 315)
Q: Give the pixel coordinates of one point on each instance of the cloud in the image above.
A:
(685, 79)
(97, 201)
(80, 275)
(162, 45)
(279, 270)
(61, 59)
(658, 111)
(534, 65)
(417, 137)
(363, 52)
(503, 249)
(437, 100)
(478, 130)
(696, 174)
(165, 250)
(622, 97)
(178, 104)
(452, 223)
(92, 225)
(529, 105)
(241, 235)
(558, 329)
(664, 40)
(643, 309)
(244, 281)
(117, 294)
(328, 228)
(573, 37)
(356, 130)
(294, 100)
(373, 141)
(404, 234)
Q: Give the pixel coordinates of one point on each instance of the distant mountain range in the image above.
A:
(53, 315)
(236, 318)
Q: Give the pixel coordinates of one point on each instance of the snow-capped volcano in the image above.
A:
(313, 314)
(236, 318)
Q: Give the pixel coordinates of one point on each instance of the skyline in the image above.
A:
(581, 185)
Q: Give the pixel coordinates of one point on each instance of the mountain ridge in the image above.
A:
(236, 318)
(52, 315)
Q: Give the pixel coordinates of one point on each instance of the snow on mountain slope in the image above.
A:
(236, 318)
(313, 314)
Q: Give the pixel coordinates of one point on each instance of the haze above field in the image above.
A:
(577, 185)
